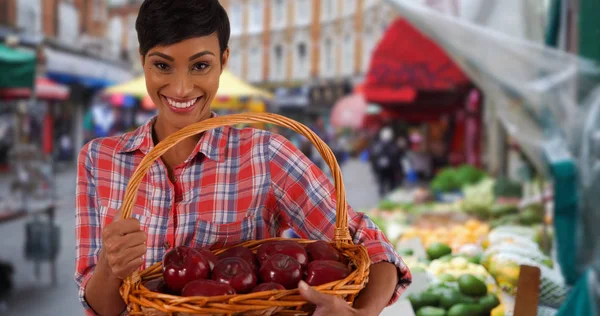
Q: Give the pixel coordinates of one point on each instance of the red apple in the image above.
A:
(241, 252)
(207, 288)
(285, 247)
(210, 257)
(158, 286)
(235, 272)
(281, 269)
(321, 250)
(182, 265)
(265, 287)
(325, 271)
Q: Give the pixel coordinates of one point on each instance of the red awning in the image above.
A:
(406, 63)
(45, 89)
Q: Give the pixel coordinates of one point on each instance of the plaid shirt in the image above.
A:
(237, 185)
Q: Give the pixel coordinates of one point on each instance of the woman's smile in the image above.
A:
(179, 105)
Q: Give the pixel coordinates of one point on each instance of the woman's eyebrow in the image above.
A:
(167, 57)
(200, 54)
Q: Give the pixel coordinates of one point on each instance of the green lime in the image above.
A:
(431, 311)
(438, 250)
(489, 302)
(471, 285)
(449, 299)
(465, 310)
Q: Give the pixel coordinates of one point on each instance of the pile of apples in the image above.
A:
(277, 265)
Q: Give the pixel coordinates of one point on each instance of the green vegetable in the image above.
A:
(429, 298)
(468, 175)
(416, 300)
(475, 259)
(387, 205)
(507, 188)
(499, 210)
(406, 252)
(438, 250)
(465, 310)
(449, 299)
(489, 302)
(445, 181)
(530, 217)
(447, 278)
(471, 285)
(431, 311)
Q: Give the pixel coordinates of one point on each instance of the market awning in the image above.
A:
(17, 67)
(406, 63)
(45, 89)
(90, 72)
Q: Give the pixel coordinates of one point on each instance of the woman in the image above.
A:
(220, 188)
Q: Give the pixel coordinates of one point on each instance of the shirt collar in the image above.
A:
(212, 144)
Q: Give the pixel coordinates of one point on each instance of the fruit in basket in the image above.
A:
(471, 285)
(281, 269)
(207, 288)
(241, 252)
(431, 311)
(489, 302)
(183, 265)
(325, 271)
(158, 286)
(265, 287)
(321, 250)
(235, 272)
(438, 250)
(285, 247)
(210, 257)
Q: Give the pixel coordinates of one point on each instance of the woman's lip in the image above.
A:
(181, 110)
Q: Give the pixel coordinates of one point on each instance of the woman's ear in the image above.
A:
(224, 59)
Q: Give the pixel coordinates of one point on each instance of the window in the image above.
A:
(255, 65)
(349, 7)
(256, 15)
(236, 19)
(116, 31)
(302, 64)
(99, 11)
(279, 13)
(235, 63)
(369, 45)
(29, 16)
(328, 9)
(348, 58)
(304, 15)
(68, 28)
(328, 58)
(278, 54)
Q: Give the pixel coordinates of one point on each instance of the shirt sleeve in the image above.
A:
(87, 227)
(307, 203)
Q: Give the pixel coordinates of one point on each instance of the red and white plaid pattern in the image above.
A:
(237, 185)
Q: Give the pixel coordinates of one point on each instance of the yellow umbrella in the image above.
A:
(230, 86)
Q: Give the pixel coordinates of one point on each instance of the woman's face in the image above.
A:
(182, 79)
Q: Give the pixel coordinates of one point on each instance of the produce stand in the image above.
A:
(489, 230)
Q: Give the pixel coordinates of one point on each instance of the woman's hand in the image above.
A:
(123, 247)
(327, 304)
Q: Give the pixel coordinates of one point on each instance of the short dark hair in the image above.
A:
(166, 22)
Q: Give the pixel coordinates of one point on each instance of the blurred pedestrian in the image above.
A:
(386, 161)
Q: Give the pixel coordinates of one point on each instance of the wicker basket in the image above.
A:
(141, 301)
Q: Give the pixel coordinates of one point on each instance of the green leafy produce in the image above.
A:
(445, 181)
(507, 188)
(479, 198)
(387, 205)
(468, 175)
(471, 285)
(530, 217)
(437, 250)
(501, 210)
(431, 311)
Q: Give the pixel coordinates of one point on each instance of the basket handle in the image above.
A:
(342, 234)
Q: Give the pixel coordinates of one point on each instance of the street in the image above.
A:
(39, 298)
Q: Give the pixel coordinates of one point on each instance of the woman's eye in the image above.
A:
(200, 66)
(161, 66)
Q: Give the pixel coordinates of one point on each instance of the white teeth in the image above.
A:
(181, 105)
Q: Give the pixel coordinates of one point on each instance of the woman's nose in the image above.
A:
(183, 85)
